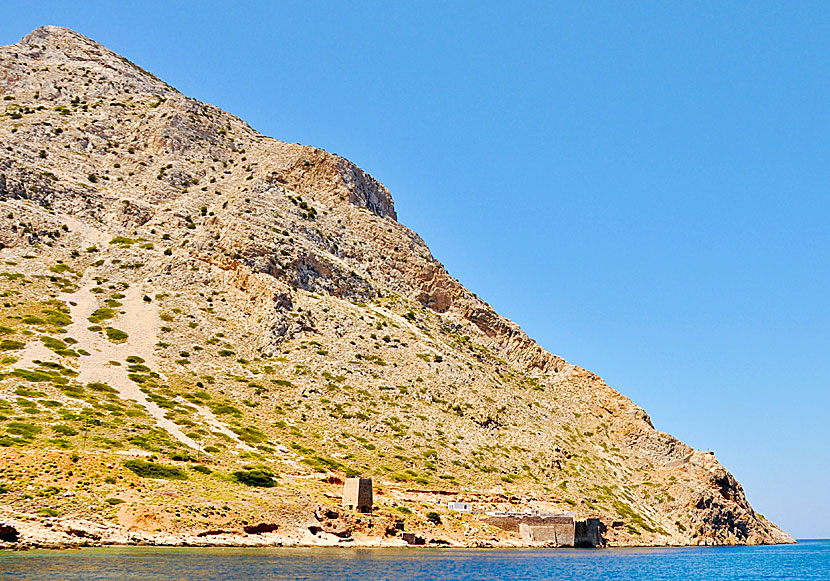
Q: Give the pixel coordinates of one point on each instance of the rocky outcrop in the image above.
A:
(8, 534)
(260, 528)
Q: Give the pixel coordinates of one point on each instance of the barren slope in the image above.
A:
(176, 284)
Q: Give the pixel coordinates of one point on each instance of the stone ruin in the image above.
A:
(357, 494)
(559, 530)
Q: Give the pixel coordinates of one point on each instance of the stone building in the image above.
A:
(560, 534)
(560, 530)
(357, 494)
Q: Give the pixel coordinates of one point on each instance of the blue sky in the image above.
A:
(642, 186)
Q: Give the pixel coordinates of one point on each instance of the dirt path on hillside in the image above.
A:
(140, 322)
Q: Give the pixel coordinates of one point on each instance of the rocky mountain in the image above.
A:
(204, 330)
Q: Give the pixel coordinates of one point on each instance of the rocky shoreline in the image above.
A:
(17, 535)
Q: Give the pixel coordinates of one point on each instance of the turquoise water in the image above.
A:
(807, 560)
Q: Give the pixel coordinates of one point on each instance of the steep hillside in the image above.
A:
(249, 315)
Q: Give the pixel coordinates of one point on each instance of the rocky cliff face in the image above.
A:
(178, 285)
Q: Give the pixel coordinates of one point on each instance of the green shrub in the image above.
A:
(153, 470)
(102, 387)
(301, 449)
(49, 491)
(224, 409)
(122, 240)
(323, 464)
(183, 456)
(26, 392)
(32, 320)
(114, 501)
(58, 318)
(52, 343)
(116, 335)
(23, 430)
(65, 430)
(201, 469)
(433, 517)
(58, 346)
(101, 314)
(154, 440)
(11, 345)
(61, 443)
(75, 391)
(250, 435)
(7, 441)
(258, 477)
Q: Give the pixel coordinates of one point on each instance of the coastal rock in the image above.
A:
(8, 534)
(260, 528)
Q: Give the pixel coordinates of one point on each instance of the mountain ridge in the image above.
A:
(303, 250)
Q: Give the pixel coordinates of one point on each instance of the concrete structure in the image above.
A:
(560, 535)
(588, 533)
(459, 506)
(561, 530)
(412, 539)
(510, 521)
(357, 494)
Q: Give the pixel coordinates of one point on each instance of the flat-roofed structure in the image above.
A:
(561, 530)
(459, 506)
(560, 534)
(357, 494)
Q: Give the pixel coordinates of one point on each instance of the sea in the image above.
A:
(809, 559)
